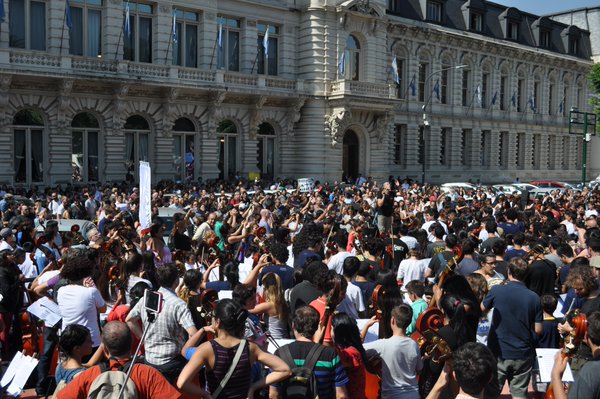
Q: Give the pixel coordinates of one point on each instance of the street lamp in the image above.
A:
(425, 117)
(589, 119)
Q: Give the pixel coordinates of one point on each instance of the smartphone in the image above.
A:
(153, 301)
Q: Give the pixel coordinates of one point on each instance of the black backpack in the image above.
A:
(303, 382)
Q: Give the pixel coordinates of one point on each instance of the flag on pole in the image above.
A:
(494, 98)
(513, 99)
(478, 94)
(145, 213)
(220, 34)
(413, 85)
(266, 42)
(436, 89)
(342, 66)
(127, 24)
(395, 74)
(561, 106)
(174, 27)
(2, 12)
(68, 18)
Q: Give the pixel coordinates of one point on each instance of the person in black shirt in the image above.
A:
(385, 209)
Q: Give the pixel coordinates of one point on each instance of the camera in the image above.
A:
(153, 301)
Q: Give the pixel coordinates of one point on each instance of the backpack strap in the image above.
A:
(313, 357)
(286, 356)
(234, 364)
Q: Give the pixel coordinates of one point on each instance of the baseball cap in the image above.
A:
(7, 232)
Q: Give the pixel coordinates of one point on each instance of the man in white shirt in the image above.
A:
(353, 304)
(336, 262)
(431, 217)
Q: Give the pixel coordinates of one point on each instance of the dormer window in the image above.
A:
(571, 37)
(476, 22)
(434, 11)
(574, 45)
(512, 30)
(544, 39)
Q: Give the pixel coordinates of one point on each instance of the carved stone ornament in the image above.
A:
(293, 115)
(5, 81)
(213, 113)
(256, 116)
(336, 123)
(169, 111)
(383, 125)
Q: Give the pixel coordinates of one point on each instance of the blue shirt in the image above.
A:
(285, 273)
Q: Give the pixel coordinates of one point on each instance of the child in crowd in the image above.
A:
(549, 337)
(416, 290)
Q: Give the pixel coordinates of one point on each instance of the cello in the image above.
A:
(372, 376)
(578, 322)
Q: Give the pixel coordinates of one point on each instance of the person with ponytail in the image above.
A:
(349, 348)
(274, 306)
(217, 355)
(190, 293)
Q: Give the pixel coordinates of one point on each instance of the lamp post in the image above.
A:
(426, 119)
(589, 120)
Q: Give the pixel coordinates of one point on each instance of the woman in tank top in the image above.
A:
(274, 308)
(218, 354)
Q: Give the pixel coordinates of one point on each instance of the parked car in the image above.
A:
(65, 225)
(550, 186)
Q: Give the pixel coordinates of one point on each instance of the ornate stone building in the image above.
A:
(287, 88)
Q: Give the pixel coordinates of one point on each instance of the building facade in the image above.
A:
(437, 90)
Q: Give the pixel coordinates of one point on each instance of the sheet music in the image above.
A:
(45, 309)
(18, 373)
(545, 358)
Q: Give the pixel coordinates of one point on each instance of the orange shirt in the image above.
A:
(319, 304)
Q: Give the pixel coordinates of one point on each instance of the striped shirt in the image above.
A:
(238, 385)
(167, 334)
(328, 370)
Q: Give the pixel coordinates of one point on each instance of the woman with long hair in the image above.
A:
(274, 306)
(75, 343)
(217, 355)
(349, 348)
(156, 244)
(190, 294)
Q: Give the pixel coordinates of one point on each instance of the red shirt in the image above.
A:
(355, 370)
(150, 383)
(319, 304)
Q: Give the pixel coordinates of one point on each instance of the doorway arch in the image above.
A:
(350, 155)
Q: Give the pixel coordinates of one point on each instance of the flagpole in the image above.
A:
(219, 33)
(119, 41)
(254, 63)
(169, 45)
(62, 36)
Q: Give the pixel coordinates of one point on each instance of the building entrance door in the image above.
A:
(350, 156)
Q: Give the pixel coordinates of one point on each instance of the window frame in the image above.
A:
(85, 132)
(27, 25)
(135, 15)
(183, 20)
(86, 7)
(434, 11)
(273, 60)
(229, 26)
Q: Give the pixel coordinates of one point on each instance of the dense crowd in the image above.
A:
(284, 292)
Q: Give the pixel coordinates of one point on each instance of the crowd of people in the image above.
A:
(375, 289)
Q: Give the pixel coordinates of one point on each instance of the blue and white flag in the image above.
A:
(413, 85)
(2, 12)
(478, 94)
(68, 18)
(513, 99)
(174, 27)
(436, 89)
(532, 103)
(265, 42)
(342, 66)
(220, 34)
(127, 24)
(561, 106)
(395, 74)
(494, 98)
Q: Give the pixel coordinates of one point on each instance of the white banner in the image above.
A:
(306, 185)
(145, 196)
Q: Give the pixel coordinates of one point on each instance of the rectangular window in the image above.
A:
(551, 99)
(400, 145)
(229, 48)
(544, 39)
(402, 86)
(503, 82)
(520, 150)
(445, 145)
(27, 24)
(520, 94)
(466, 74)
(574, 46)
(535, 150)
(422, 147)
(552, 155)
(566, 147)
(434, 11)
(465, 135)
(137, 46)
(185, 51)
(512, 31)
(444, 85)
(536, 96)
(271, 59)
(395, 6)
(85, 37)
(476, 22)
(423, 69)
(484, 89)
(486, 136)
(504, 140)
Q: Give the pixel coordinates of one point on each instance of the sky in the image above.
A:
(543, 7)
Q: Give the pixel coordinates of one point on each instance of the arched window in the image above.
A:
(352, 58)
(85, 147)
(227, 135)
(184, 155)
(28, 136)
(137, 141)
(266, 151)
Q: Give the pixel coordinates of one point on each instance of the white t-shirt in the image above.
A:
(78, 305)
(337, 262)
(411, 269)
(354, 295)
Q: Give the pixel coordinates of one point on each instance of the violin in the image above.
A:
(208, 304)
(334, 298)
(571, 342)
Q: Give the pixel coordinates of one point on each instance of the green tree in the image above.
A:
(594, 79)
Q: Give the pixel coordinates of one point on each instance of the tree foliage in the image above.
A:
(594, 80)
